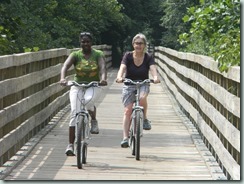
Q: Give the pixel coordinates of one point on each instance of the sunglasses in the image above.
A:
(85, 34)
(139, 43)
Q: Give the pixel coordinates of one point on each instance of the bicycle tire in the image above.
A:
(80, 141)
(84, 153)
(132, 139)
(137, 134)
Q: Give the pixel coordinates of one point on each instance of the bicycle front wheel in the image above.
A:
(81, 146)
(132, 138)
(137, 134)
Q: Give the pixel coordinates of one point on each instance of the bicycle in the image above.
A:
(82, 123)
(137, 118)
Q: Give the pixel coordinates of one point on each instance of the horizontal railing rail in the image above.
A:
(30, 95)
(210, 99)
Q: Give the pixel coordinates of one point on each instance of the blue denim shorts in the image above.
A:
(128, 93)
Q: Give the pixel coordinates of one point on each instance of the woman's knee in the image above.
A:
(143, 97)
(72, 122)
(128, 110)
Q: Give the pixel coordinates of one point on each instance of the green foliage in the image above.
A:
(215, 30)
(144, 17)
(5, 44)
(34, 49)
(211, 28)
(172, 21)
(28, 25)
(8, 26)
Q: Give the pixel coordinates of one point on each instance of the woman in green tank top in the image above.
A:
(89, 66)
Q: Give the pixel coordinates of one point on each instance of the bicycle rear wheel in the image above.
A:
(81, 146)
(137, 134)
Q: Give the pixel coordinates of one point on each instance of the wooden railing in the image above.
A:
(30, 95)
(210, 99)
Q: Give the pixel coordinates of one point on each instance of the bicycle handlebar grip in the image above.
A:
(127, 83)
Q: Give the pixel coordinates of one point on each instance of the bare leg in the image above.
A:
(70, 148)
(94, 123)
(146, 123)
(71, 135)
(143, 103)
(93, 113)
(126, 120)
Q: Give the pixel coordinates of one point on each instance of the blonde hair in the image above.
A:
(143, 37)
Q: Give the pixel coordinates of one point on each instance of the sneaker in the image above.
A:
(94, 127)
(70, 150)
(147, 124)
(125, 143)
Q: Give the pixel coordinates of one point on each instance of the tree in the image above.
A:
(215, 31)
(144, 17)
(172, 21)
(27, 25)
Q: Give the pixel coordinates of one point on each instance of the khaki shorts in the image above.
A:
(129, 93)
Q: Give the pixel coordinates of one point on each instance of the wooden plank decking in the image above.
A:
(171, 150)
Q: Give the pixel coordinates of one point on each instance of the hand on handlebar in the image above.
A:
(155, 81)
(63, 82)
(119, 80)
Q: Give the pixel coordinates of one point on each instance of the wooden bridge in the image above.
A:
(195, 132)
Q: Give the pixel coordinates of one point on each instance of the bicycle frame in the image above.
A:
(137, 109)
(137, 117)
(82, 123)
(83, 112)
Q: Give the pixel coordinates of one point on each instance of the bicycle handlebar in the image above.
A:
(85, 84)
(137, 82)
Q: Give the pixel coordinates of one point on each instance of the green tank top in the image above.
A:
(87, 69)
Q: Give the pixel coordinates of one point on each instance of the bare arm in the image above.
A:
(102, 70)
(121, 73)
(67, 64)
(154, 73)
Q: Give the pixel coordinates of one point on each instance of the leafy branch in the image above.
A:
(215, 31)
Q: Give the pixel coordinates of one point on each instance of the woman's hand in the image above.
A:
(156, 80)
(63, 82)
(119, 80)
